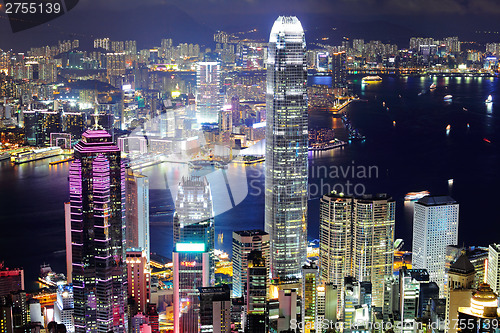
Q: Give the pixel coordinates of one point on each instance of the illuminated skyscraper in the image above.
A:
(339, 70)
(191, 272)
(193, 255)
(335, 238)
(193, 217)
(373, 241)
(137, 212)
(138, 279)
(245, 242)
(256, 290)
(435, 225)
(309, 294)
(208, 96)
(97, 191)
(286, 147)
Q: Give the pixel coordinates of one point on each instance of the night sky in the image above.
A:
(147, 21)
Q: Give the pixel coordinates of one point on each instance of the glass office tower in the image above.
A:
(286, 147)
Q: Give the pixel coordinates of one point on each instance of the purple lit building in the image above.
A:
(96, 180)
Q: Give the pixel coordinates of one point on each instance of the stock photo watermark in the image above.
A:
(350, 180)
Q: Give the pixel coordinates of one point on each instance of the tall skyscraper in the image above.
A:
(138, 279)
(335, 235)
(286, 147)
(97, 191)
(339, 70)
(309, 295)
(193, 217)
(373, 241)
(208, 96)
(191, 272)
(137, 211)
(245, 242)
(435, 225)
(193, 257)
(256, 291)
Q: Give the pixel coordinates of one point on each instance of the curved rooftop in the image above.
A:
(288, 25)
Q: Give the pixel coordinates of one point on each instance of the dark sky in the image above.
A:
(147, 21)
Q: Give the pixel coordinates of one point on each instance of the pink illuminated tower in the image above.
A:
(96, 181)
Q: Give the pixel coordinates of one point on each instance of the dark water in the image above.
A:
(416, 154)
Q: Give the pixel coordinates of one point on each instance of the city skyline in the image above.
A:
(187, 152)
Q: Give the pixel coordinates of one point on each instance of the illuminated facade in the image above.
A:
(245, 242)
(115, 68)
(215, 309)
(74, 123)
(138, 279)
(193, 217)
(373, 241)
(309, 291)
(286, 147)
(97, 191)
(39, 124)
(10, 280)
(194, 258)
(64, 307)
(482, 314)
(435, 225)
(191, 271)
(208, 96)
(339, 70)
(357, 304)
(335, 238)
(256, 290)
(137, 211)
(493, 273)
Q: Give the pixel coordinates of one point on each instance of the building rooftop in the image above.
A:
(254, 232)
(437, 200)
(462, 265)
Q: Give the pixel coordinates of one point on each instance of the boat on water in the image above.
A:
(371, 79)
(4, 156)
(433, 86)
(489, 99)
(36, 154)
(49, 278)
(414, 196)
(448, 97)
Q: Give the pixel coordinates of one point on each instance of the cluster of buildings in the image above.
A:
(350, 286)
